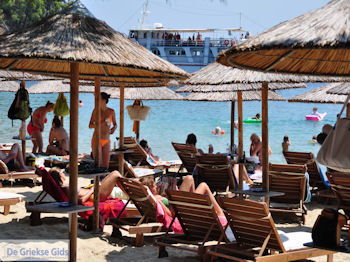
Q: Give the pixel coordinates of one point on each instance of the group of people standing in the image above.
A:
(59, 139)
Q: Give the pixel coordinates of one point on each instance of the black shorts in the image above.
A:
(11, 165)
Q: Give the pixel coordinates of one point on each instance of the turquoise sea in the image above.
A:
(172, 120)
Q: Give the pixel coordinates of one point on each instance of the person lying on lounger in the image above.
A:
(108, 184)
(188, 186)
(14, 160)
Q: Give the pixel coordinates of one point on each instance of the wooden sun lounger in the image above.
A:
(340, 185)
(290, 180)
(145, 204)
(308, 159)
(217, 172)
(19, 175)
(187, 155)
(7, 201)
(198, 220)
(256, 236)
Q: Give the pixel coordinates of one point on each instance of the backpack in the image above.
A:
(61, 107)
(20, 108)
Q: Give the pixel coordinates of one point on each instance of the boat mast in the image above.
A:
(144, 13)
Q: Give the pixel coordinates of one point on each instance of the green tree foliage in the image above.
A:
(18, 14)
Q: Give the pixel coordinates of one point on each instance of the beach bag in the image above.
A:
(138, 112)
(61, 107)
(20, 108)
(335, 150)
(327, 228)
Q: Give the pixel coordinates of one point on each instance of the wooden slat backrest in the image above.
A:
(338, 178)
(218, 177)
(139, 195)
(251, 223)
(212, 159)
(340, 184)
(136, 154)
(187, 155)
(288, 179)
(308, 159)
(196, 215)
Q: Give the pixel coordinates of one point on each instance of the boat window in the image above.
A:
(145, 35)
(196, 53)
(177, 52)
(156, 51)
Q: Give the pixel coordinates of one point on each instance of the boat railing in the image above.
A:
(194, 43)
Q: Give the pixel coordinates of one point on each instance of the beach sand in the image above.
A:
(94, 247)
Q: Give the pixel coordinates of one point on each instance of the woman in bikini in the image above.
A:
(85, 194)
(58, 139)
(108, 127)
(36, 126)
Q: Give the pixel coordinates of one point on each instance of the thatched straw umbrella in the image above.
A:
(57, 86)
(146, 93)
(314, 43)
(218, 74)
(319, 95)
(79, 47)
(340, 89)
(8, 86)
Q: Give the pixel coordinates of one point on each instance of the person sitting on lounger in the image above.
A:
(14, 160)
(58, 139)
(108, 184)
(144, 145)
(188, 186)
(192, 140)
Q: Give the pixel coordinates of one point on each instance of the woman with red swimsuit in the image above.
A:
(36, 126)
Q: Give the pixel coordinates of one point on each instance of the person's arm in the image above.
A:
(51, 136)
(114, 122)
(92, 120)
(84, 198)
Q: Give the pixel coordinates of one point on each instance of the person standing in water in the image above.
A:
(108, 127)
(36, 126)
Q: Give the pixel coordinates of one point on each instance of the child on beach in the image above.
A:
(285, 144)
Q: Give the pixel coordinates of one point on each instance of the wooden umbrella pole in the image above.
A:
(240, 138)
(73, 158)
(23, 127)
(97, 151)
(348, 111)
(265, 136)
(232, 141)
(121, 131)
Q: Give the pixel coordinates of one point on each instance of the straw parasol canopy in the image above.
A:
(232, 96)
(49, 87)
(319, 95)
(8, 86)
(235, 87)
(218, 74)
(315, 43)
(340, 89)
(46, 48)
(146, 93)
(22, 76)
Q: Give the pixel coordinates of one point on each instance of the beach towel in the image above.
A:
(110, 208)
